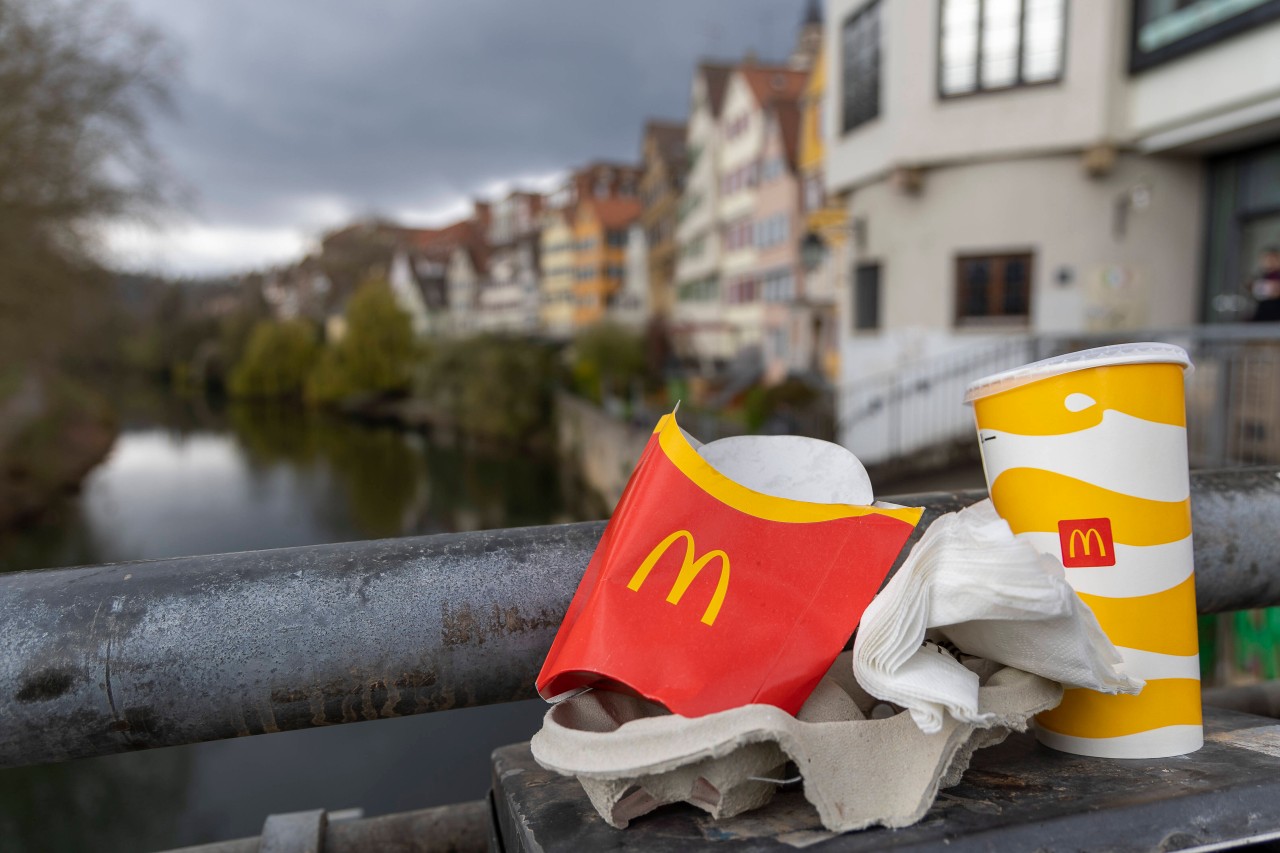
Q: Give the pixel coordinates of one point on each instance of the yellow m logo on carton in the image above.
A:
(689, 570)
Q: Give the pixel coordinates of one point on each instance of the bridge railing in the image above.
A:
(105, 659)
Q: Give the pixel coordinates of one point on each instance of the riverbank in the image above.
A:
(52, 433)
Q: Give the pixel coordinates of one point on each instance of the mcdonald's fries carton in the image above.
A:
(1086, 457)
(706, 593)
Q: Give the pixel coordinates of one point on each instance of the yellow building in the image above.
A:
(559, 273)
(826, 221)
(600, 234)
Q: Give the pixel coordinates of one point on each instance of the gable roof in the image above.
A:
(716, 78)
(614, 212)
(787, 116)
(668, 136)
(769, 83)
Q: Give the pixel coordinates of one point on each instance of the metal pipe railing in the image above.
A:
(105, 659)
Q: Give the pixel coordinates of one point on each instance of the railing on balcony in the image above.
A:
(914, 412)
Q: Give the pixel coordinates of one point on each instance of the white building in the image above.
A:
(630, 306)
(753, 231)
(509, 300)
(1022, 167)
(698, 328)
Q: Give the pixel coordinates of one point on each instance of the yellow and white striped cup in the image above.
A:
(1086, 458)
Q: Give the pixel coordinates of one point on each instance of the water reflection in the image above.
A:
(187, 477)
(249, 477)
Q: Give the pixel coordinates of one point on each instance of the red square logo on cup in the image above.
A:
(1086, 543)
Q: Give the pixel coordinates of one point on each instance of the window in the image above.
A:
(616, 239)
(739, 234)
(778, 343)
(866, 297)
(813, 194)
(779, 286)
(860, 73)
(998, 44)
(702, 290)
(1164, 29)
(993, 288)
(743, 290)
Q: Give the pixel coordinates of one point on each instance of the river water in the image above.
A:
(193, 478)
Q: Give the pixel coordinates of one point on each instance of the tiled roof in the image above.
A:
(773, 83)
(615, 212)
(787, 114)
(717, 81)
(669, 137)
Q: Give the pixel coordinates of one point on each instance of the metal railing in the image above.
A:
(1233, 396)
(105, 659)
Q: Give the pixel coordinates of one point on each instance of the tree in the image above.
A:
(607, 361)
(375, 355)
(277, 360)
(77, 80)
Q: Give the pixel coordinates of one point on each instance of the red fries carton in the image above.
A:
(704, 595)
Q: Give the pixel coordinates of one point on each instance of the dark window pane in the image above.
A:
(860, 77)
(993, 286)
(977, 280)
(1015, 286)
(866, 297)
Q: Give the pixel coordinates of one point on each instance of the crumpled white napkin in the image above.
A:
(988, 594)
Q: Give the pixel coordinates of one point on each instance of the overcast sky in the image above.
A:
(294, 116)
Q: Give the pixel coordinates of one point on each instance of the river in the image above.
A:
(190, 477)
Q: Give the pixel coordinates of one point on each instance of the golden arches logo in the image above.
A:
(1084, 538)
(1086, 542)
(689, 571)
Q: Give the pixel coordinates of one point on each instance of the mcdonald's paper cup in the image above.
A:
(730, 574)
(1086, 457)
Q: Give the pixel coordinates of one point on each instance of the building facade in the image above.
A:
(420, 273)
(664, 163)
(632, 307)
(559, 273)
(826, 228)
(510, 299)
(1043, 171)
(605, 204)
(699, 332)
(600, 231)
(759, 201)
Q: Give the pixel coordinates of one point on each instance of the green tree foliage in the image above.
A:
(277, 361)
(491, 386)
(607, 361)
(77, 80)
(375, 356)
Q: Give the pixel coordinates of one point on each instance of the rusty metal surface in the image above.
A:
(460, 828)
(105, 659)
(1015, 796)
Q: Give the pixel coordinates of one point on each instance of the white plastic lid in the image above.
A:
(1148, 352)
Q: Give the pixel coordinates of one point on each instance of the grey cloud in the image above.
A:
(391, 104)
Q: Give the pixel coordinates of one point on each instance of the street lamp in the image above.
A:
(813, 251)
